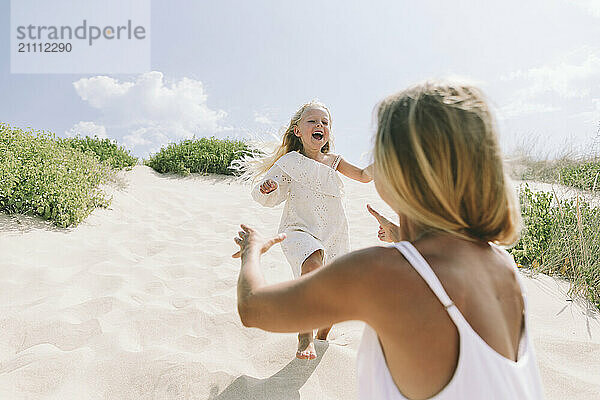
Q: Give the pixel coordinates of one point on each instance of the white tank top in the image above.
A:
(481, 372)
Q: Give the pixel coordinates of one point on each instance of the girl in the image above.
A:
(302, 172)
(444, 306)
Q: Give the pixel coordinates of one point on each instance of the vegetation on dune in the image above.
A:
(579, 173)
(561, 234)
(204, 155)
(105, 150)
(561, 237)
(59, 180)
(50, 177)
(583, 175)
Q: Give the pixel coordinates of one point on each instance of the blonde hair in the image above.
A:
(257, 165)
(437, 154)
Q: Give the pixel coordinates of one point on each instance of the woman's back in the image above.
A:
(421, 338)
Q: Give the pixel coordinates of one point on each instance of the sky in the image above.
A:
(240, 69)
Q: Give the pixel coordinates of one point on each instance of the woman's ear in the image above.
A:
(296, 131)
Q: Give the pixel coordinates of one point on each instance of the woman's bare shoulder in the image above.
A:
(395, 292)
(377, 258)
(372, 268)
(383, 276)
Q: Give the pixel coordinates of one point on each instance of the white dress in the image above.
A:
(313, 216)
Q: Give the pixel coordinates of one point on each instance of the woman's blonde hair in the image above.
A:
(437, 154)
(254, 167)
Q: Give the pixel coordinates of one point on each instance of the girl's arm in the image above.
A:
(364, 175)
(274, 196)
(281, 307)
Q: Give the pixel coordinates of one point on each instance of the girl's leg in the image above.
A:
(306, 347)
(323, 332)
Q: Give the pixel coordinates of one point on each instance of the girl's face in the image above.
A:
(313, 128)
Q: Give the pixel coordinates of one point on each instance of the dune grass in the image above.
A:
(105, 150)
(204, 155)
(561, 237)
(50, 177)
(576, 167)
(574, 171)
(561, 234)
(59, 179)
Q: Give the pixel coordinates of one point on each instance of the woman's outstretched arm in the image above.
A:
(336, 292)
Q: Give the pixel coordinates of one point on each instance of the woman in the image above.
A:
(444, 306)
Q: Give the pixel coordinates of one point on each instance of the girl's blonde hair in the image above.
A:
(254, 167)
(437, 154)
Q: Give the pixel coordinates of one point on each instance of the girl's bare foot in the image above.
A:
(306, 347)
(322, 333)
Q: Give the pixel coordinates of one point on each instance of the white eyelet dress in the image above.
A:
(481, 372)
(313, 216)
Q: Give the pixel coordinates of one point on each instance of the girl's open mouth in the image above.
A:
(317, 135)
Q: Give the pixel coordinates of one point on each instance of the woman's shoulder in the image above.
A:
(370, 260)
(386, 283)
(381, 267)
(367, 267)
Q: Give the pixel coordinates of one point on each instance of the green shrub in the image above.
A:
(538, 220)
(204, 155)
(41, 176)
(104, 150)
(584, 175)
(561, 237)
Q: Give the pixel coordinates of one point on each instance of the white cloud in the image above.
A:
(566, 79)
(149, 112)
(262, 119)
(592, 6)
(574, 78)
(87, 128)
(519, 108)
(592, 116)
(100, 91)
(151, 138)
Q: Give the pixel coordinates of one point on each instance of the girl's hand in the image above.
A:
(388, 231)
(248, 239)
(268, 186)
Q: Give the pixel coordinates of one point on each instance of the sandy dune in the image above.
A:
(139, 302)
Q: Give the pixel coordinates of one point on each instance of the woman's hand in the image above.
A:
(249, 239)
(268, 186)
(388, 231)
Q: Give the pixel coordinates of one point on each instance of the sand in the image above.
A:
(139, 302)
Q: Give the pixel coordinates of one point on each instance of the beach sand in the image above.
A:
(139, 302)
